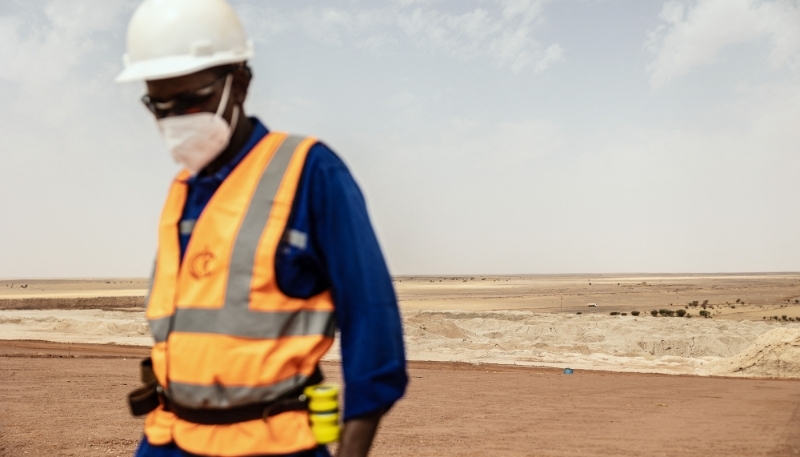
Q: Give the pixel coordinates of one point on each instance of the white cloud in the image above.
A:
(553, 54)
(692, 36)
(42, 59)
(499, 31)
(49, 49)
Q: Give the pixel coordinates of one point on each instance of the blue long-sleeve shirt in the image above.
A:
(334, 247)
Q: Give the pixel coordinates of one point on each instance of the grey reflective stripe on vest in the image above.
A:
(245, 323)
(244, 248)
(186, 227)
(216, 396)
(160, 328)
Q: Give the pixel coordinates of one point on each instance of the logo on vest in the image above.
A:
(202, 264)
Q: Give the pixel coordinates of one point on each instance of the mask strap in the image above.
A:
(225, 94)
(234, 118)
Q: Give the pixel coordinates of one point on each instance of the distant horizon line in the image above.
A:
(441, 275)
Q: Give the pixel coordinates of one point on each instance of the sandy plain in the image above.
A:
(753, 296)
(465, 334)
(72, 288)
(758, 294)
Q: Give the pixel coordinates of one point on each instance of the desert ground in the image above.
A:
(733, 296)
(486, 354)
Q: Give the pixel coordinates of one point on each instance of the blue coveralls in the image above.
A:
(333, 247)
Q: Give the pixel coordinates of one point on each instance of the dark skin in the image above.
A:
(358, 433)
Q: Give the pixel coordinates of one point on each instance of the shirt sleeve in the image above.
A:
(371, 335)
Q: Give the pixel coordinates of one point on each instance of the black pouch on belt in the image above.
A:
(146, 398)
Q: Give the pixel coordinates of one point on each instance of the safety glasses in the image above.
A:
(182, 103)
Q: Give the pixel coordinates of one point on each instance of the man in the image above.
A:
(265, 247)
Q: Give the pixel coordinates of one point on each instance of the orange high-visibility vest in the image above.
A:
(225, 335)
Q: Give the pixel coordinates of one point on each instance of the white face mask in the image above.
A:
(196, 139)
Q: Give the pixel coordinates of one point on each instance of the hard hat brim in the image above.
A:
(174, 66)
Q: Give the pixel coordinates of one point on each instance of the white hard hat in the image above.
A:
(169, 38)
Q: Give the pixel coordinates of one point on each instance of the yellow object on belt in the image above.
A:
(324, 412)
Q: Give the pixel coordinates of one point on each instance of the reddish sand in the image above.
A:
(60, 400)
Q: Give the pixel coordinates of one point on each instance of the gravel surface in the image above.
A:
(68, 400)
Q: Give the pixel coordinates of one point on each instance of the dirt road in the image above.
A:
(59, 400)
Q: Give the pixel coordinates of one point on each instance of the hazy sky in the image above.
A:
(489, 136)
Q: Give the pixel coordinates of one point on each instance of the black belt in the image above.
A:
(146, 399)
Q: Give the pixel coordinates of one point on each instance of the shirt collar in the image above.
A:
(259, 132)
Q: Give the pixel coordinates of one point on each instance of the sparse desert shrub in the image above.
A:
(614, 313)
(738, 300)
(624, 314)
(704, 313)
(705, 302)
(687, 306)
(580, 312)
(654, 313)
(688, 315)
(704, 306)
(634, 313)
(796, 302)
(694, 303)
(733, 306)
(681, 312)
(666, 312)
(784, 317)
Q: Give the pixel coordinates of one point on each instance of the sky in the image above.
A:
(488, 136)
